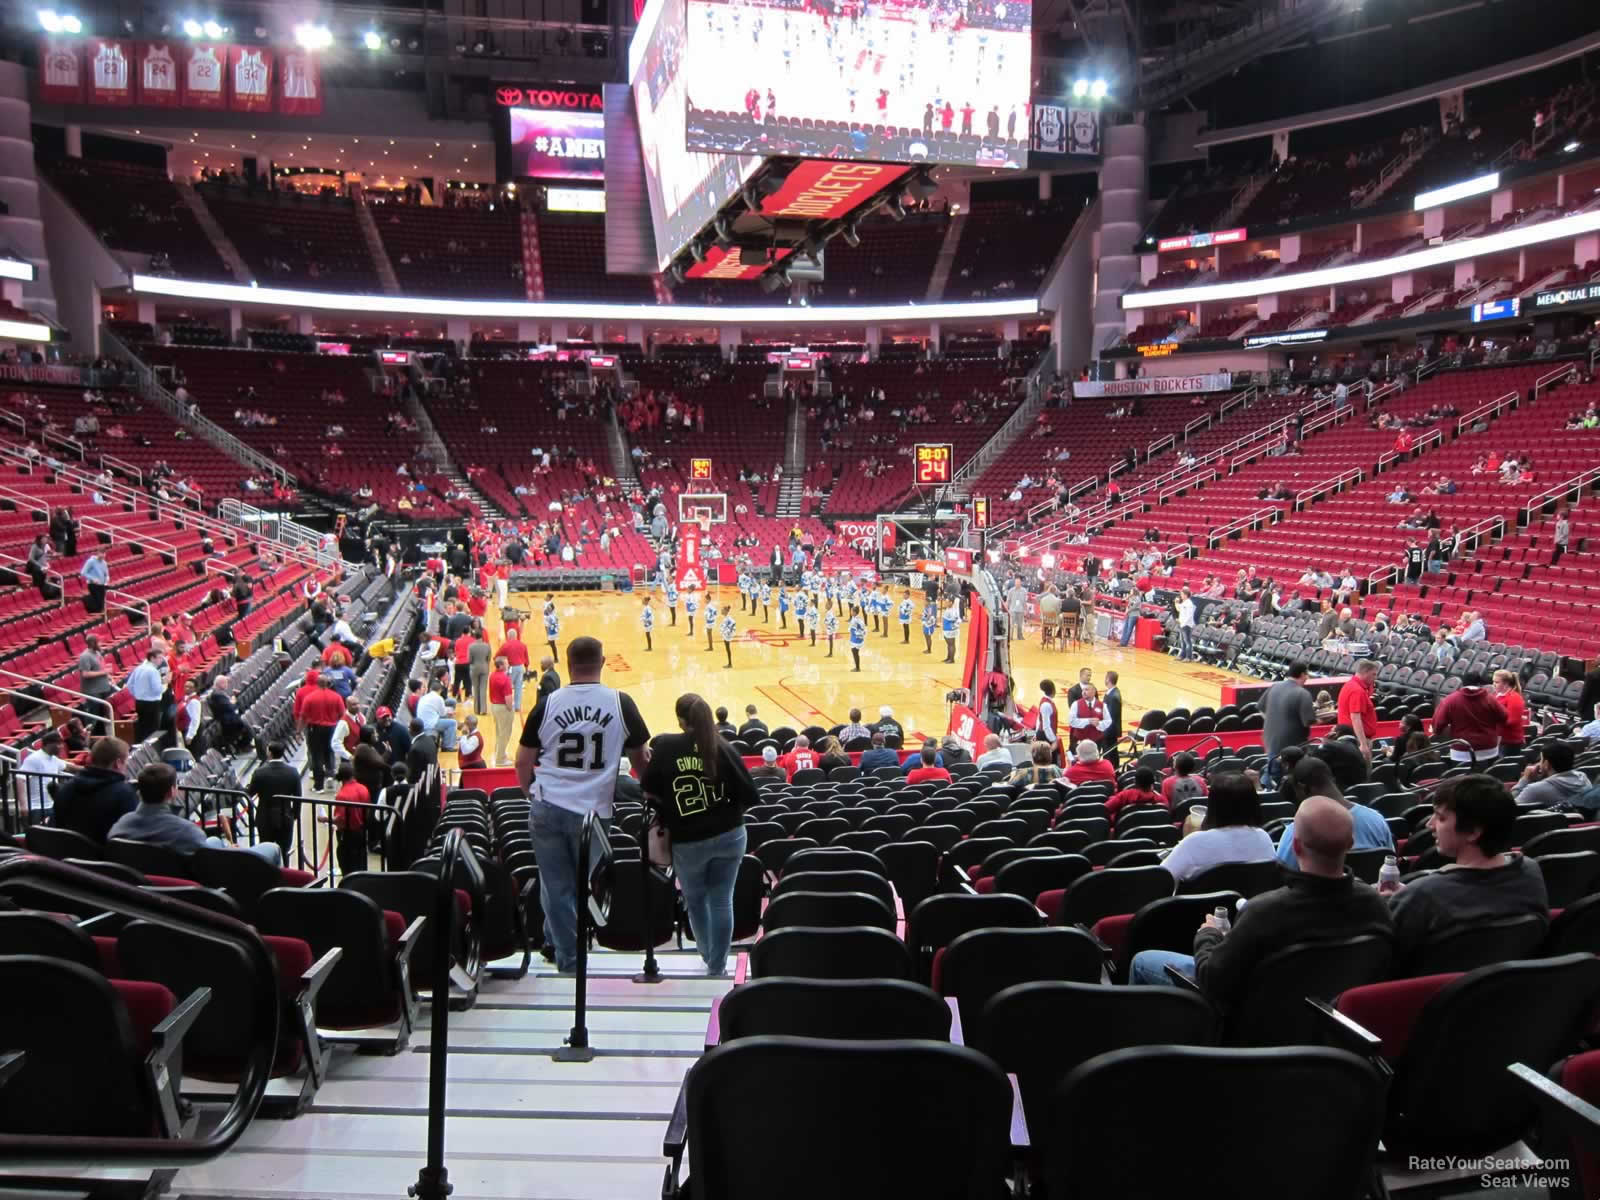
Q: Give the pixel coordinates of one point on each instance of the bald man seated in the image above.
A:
(1320, 901)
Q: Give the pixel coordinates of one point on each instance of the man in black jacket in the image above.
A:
(91, 801)
(1323, 901)
(754, 728)
(1111, 697)
(275, 818)
(393, 737)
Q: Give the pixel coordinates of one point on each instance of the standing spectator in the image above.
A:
(147, 688)
(1470, 714)
(515, 652)
(698, 789)
(424, 751)
(94, 680)
(1287, 714)
(1185, 610)
(479, 658)
(1508, 690)
(322, 710)
(549, 677)
(461, 685)
(393, 736)
(271, 787)
(349, 822)
(1356, 708)
(96, 576)
(500, 696)
(1559, 537)
(242, 590)
(40, 770)
(1112, 700)
(574, 739)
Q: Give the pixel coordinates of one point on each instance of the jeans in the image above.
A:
(555, 846)
(1149, 967)
(319, 753)
(1186, 642)
(707, 871)
(1130, 624)
(266, 850)
(517, 674)
(445, 727)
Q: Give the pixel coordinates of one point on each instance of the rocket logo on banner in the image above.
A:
(110, 72)
(158, 75)
(60, 72)
(250, 74)
(203, 71)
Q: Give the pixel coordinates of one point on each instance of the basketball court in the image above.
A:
(797, 684)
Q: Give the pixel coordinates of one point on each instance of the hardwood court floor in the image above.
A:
(793, 683)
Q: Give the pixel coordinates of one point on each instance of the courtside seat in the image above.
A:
(369, 1000)
(217, 1047)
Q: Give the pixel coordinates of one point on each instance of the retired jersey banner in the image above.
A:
(1165, 385)
(299, 84)
(61, 71)
(249, 79)
(1061, 129)
(110, 62)
(158, 74)
(205, 69)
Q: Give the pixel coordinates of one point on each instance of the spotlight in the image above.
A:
(1097, 90)
(191, 28)
(371, 40)
(71, 24)
(313, 37)
(1080, 89)
(394, 43)
(50, 20)
(1569, 148)
(212, 30)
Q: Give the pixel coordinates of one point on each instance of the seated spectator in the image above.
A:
(433, 711)
(232, 732)
(469, 746)
(1323, 900)
(952, 752)
(833, 754)
(1473, 818)
(1089, 767)
(995, 754)
(1230, 833)
(928, 769)
(1592, 729)
(154, 822)
(1142, 794)
(801, 758)
(1552, 780)
(1183, 783)
(1041, 767)
(1312, 777)
(94, 799)
(1343, 756)
(915, 761)
(879, 755)
(769, 768)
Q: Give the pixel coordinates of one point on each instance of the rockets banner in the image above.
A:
(194, 75)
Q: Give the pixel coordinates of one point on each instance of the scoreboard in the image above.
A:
(933, 462)
(699, 469)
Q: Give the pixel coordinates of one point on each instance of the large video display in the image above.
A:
(557, 145)
(901, 80)
(686, 187)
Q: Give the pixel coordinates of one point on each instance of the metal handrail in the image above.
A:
(1332, 483)
(1433, 437)
(115, 533)
(1205, 475)
(130, 603)
(61, 441)
(1566, 371)
(19, 567)
(78, 887)
(1239, 524)
(123, 465)
(24, 501)
(1576, 483)
(100, 712)
(1159, 445)
(1489, 409)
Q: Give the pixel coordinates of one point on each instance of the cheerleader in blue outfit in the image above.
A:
(858, 638)
(930, 618)
(691, 605)
(830, 626)
(905, 618)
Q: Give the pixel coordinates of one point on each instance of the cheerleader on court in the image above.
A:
(800, 610)
(766, 602)
(647, 619)
(711, 621)
(930, 618)
(783, 607)
(905, 618)
(691, 605)
(552, 624)
(830, 626)
(672, 602)
(729, 626)
(858, 638)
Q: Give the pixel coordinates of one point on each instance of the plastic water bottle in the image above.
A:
(1389, 876)
(1220, 917)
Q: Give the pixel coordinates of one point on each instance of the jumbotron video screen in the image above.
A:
(899, 80)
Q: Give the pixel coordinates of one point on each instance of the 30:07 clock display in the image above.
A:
(932, 462)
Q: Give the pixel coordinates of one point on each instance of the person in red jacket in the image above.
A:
(1142, 794)
(319, 714)
(1089, 767)
(928, 770)
(351, 823)
(801, 758)
(1508, 690)
(303, 691)
(477, 605)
